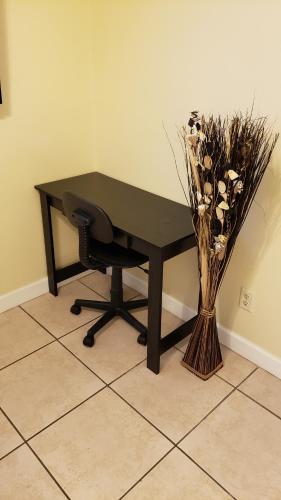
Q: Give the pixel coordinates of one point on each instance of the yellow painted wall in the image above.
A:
(95, 80)
(46, 123)
(155, 61)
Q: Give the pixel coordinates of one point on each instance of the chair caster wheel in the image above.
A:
(75, 309)
(89, 340)
(142, 339)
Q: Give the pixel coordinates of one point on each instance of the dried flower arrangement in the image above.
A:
(225, 161)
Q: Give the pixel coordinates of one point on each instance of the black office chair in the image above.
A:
(97, 250)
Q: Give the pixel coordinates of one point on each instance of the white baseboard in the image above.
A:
(31, 291)
(235, 342)
(230, 339)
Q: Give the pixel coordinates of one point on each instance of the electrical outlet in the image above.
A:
(246, 299)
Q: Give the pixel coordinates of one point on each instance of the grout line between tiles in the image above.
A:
(64, 334)
(141, 415)
(92, 290)
(162, 458)
(66, 413)
(13, 425)
(53, 421)
(125, 373)
(66, 348)
(26, 441)
(241, 382)
(207, 473)
(178, 349)
(259, 404)
(58, 339)
(108, 385)
(144, 475)
(82, 362)
(84, 324)
(47, 470)
(173, 447)
(226, 381)
(103, 296)
(206, 416)
(248, 376)
(11, 451)
(27, 444)
(26, 355)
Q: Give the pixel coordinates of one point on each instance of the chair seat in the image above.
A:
(114, 255)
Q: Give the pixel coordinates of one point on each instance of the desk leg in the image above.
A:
(49, 243)
(154, 313)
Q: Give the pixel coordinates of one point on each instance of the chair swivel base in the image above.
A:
(111, 312)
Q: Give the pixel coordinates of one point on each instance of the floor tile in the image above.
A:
(9, 438)
(100, 283)
(182, 345)
(174, 400)
(235, 368)
(176, 477)
(115, 350)
(19, 336)
(264, 388)
(53, 312)
(100, 449)
(41, 387)
(169, 320)
(239, 444)
(22, 477)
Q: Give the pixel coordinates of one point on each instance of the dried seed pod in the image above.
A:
(207, 200)
(223, 205)
(207, 162)
(208, 188)
(194, 115)
(218, 247)
(232, 174)
(221, 254)
(202, 136)
(219, 213)
(201, 209)
(193, 139)
(199, 196)
(224, 196)
(221, 187)
(222, 238)
(238, 187)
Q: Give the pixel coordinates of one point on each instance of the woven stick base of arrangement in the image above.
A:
(203, 355)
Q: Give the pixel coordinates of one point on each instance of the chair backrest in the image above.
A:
(80, 211)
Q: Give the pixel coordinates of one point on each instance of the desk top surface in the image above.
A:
(152, 218)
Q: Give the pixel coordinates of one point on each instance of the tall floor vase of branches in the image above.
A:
(225, 161)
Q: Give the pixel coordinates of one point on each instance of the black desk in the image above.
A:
(155, 226)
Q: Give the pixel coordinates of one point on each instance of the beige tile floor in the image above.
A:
(95, 424)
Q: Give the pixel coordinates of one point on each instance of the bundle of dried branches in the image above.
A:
(225, 162)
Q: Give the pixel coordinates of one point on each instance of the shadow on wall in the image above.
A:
(4, 68)
(261, 227)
